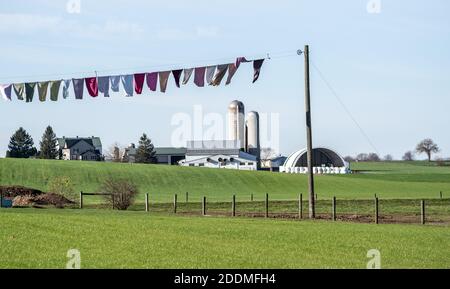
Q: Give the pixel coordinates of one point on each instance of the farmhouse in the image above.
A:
(80, 148)
(325, 161)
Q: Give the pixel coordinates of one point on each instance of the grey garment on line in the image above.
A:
(187, 75)
(66, 87)
(19, 89)
(115, 83)
(103, 85)
(232, 69)
(210, 71)
(127, 83)
(220, 74)
(163, 79)
(78, 87)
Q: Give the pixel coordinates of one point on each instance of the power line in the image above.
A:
(150, 68)
(341, 102)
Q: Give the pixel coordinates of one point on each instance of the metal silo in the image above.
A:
(236, 122)
(252, 127)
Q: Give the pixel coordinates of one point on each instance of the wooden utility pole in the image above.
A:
(312, 211)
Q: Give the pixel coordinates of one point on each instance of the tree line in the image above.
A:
(427, 147)
(21, 145)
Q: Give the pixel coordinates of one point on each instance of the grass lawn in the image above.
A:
(394, 180)
(33, 238)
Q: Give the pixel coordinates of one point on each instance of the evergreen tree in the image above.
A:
(48, 144)
(21, 145)
(145, 153)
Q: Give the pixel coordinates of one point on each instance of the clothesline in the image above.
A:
(132, 83)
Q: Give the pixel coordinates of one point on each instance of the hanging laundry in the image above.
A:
(163, 79)
(199, 78)
(5, 91)
(78, 87)
(187, 75)
(29, 91)
(115, 82)
(66, 87)
(127, 83)
(220, 74)
(42, 90)
(139, 79)
(177, 76)
(103, 85)
(19, 89)
(92, 86)
(210, 71)
(232, 69)
(54, 89)
(240, 60)
(152, 80)
(257, 64)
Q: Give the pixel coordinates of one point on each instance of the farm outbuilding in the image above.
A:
(325, 161)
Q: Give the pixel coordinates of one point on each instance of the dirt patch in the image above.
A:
(14, 191)
(49, 199)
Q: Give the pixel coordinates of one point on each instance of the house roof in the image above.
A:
(70, 142)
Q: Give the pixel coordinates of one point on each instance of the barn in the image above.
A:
(325, 161)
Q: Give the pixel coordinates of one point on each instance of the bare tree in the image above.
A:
(408, 156)
(428, 147)
(267, 154)
(373, 157)
(388, 158)
(349, 159)
(121, 192)
(115, 152)
(362, 157)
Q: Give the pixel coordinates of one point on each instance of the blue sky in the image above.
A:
(390, 69)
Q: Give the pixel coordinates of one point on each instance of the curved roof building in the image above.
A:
(324, 161)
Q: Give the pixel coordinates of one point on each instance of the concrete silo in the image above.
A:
(252, 132)
(236, 122)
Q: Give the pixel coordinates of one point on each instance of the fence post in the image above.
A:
(251, 197)
(376, 211)
(333, 212)
(233, 206)
(175, 197)
(440, 193)
(422, 215)
(267, 205)
(112, 198)
(300, 206)
(146, 202)
(187, 197)
(1, 200)
(81, 200)
(204, 206)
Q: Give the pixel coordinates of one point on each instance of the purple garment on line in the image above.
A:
(199, 78)
(5, 91)
(92, 86)
(78, 86)
(177, 76)
(257, 64)
(152, 80)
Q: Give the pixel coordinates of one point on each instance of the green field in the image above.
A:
(33, 238)
(40, 238)
(388, 180)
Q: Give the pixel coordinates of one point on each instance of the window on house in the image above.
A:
(201, 165)
(250, 164)
(192, 165)
(242, 164)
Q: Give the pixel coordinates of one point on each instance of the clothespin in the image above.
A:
(299, 52)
